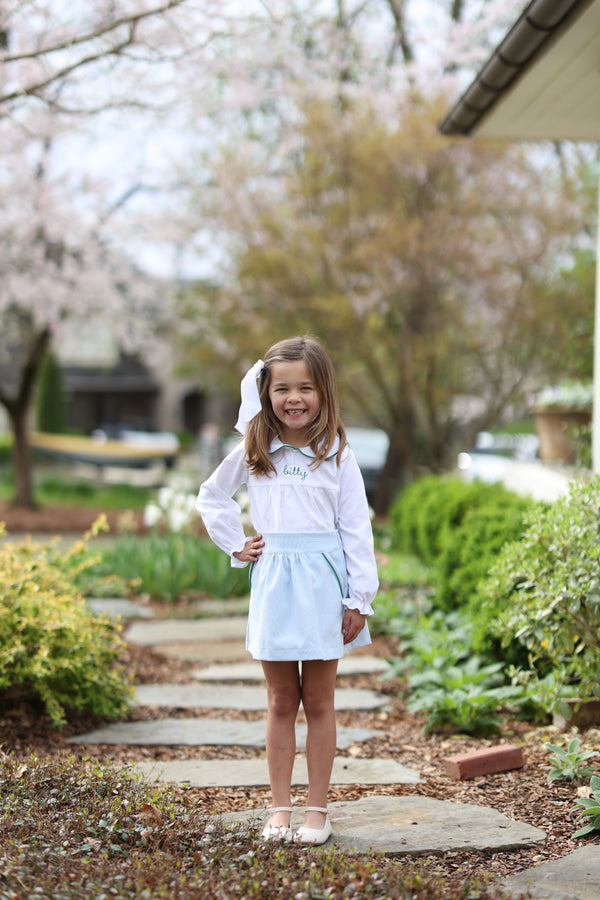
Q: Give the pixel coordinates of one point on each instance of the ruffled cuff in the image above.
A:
(363, 606)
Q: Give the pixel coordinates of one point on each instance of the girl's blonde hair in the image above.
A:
(264, 427)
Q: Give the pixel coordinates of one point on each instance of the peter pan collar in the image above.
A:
(277, 444)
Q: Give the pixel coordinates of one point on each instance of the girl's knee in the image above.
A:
(283, 703)
(316, 703)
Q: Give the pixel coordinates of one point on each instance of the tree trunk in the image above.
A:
(397, 471)
(17, 408)
(21, 459)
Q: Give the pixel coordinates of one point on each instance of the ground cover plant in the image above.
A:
(75, 828)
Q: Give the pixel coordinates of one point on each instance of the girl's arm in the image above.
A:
(219, 511)
(354, 526)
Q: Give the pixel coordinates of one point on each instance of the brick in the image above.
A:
(484, 762)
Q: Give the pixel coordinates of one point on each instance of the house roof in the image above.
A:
(557, 43)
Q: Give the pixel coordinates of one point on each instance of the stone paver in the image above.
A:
(118, 608)
(168, 631)
(399, 826)
(204, 651)
(574, 877)
(204, 732)
(246, 697)
(253, 772)
(252, 671)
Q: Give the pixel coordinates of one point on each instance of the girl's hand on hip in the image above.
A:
(252, 549)
(352, 624)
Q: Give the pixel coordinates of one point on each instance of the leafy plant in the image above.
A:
(569, 764)
(467, 698)
(52, 647)
(172, 565)
(545, 590)
(590, 807)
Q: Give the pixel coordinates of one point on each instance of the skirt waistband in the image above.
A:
(302, 542)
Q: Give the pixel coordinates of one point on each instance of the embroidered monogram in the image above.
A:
(295, 472)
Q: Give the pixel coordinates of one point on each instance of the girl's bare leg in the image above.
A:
(318, 689)
(283, 702)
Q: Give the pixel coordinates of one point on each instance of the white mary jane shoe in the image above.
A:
(277, 832)
(306, 835)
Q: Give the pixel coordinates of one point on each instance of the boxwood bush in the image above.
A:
(472, 546)
(458, 528)
(53, 649)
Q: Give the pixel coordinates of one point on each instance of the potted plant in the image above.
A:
(557, 411)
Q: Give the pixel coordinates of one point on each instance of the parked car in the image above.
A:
(492, 454)
(370, 446)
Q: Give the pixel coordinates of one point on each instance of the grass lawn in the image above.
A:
(53, 488)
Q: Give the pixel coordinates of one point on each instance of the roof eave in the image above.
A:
(531, 35)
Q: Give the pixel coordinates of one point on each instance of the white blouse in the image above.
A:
(296, 498)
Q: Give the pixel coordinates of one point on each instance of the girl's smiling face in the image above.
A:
(295, 400)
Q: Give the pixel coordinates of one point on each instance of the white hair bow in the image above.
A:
(250, 405)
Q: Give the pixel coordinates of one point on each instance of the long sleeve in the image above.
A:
(354, 526)
(219, 511)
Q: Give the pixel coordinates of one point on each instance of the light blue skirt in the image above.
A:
(299, 588)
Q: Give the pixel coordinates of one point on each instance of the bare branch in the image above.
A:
(401, 40)
(94, 34)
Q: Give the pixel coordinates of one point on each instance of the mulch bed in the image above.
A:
(523, 794)
(53, 520)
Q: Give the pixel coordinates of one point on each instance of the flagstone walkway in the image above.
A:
(393, 825)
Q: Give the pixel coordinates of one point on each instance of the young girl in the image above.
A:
(312, 565)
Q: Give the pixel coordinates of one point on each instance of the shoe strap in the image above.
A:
(320, 809)
(276, 809)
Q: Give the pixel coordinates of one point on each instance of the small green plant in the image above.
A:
(467, 698)
(569, 764)
(590, 808)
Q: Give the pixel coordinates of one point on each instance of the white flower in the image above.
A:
(177, 519)
(152, 515)
(165, 497)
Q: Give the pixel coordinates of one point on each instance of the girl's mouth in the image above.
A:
(295, 412)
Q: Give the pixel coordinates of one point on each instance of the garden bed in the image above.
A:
(523, 794)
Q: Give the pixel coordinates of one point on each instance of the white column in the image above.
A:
(596, 405)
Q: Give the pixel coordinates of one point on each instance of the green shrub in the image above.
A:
(405, 513)
(428, 512)
(544, 590)
(52, 647)
(51, 405)
(472, 546)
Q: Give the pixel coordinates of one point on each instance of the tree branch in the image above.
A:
(101, 31)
